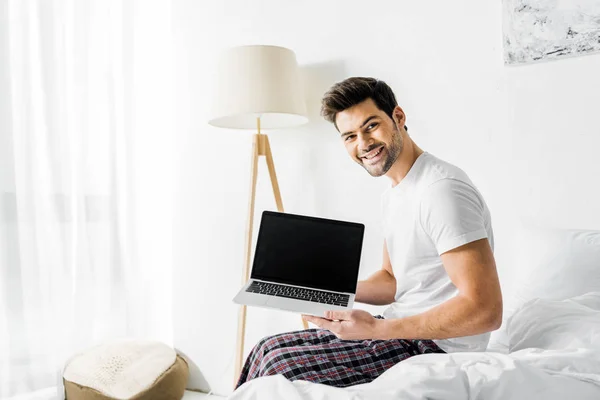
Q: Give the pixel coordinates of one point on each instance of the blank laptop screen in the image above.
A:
(307, 251)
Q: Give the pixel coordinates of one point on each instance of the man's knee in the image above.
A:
(268, 343)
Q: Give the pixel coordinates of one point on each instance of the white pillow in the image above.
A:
(547, 263)
(556, 325)
(553, 264)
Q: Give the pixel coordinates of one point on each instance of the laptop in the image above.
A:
(304, 264)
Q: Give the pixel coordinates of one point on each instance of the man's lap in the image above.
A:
(317, 355)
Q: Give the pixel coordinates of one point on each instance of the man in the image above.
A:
(438, 274)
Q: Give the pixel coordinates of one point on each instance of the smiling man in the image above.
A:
(438, 275)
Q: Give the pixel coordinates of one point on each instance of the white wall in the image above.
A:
(528, 136)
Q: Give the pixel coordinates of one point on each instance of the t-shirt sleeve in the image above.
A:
(452, 213)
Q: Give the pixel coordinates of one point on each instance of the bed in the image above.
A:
(548, 346)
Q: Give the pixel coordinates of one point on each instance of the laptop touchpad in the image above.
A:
(296, 306)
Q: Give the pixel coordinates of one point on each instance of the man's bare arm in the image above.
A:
(380, 288)
(476, 309)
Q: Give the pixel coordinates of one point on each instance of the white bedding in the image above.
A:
(527, 374)
(561, 361)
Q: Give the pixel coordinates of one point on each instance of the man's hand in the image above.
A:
(348, 325)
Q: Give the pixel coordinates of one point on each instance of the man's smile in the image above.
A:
(373, 156)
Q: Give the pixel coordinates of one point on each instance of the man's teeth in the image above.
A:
(376, 154)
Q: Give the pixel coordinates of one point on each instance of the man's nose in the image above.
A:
(364, 142)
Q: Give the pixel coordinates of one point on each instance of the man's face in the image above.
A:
(371, 137)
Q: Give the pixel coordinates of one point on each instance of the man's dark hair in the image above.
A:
(355, 90)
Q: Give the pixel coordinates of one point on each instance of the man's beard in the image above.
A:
(392, 152)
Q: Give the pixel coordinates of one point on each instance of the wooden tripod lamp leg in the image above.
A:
(239, 352)
(272, 174)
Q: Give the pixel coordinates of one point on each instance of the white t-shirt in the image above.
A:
(435, 208)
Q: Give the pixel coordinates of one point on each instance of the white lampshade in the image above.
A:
(258, 81)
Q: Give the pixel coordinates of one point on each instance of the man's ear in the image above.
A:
(399, 116)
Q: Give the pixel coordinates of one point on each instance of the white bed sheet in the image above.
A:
(526, 374)
(567, 368)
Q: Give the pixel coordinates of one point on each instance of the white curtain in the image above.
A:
(84, 182)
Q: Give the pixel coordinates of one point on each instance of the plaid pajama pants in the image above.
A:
(317, 355)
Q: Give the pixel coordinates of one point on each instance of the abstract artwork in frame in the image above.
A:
(537, 30)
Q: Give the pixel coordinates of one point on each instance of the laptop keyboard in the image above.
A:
(316, 296)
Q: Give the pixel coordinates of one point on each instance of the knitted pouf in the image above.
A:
(126, 369)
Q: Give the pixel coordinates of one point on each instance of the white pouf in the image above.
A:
(126, 369)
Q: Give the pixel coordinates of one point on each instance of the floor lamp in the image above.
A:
(257, 87)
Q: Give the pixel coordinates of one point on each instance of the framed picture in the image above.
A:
(538, 30)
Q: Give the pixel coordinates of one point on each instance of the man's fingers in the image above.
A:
(338, 315)
(320, 322)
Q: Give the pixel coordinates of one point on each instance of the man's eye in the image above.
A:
(372, 126)
(348, 137)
